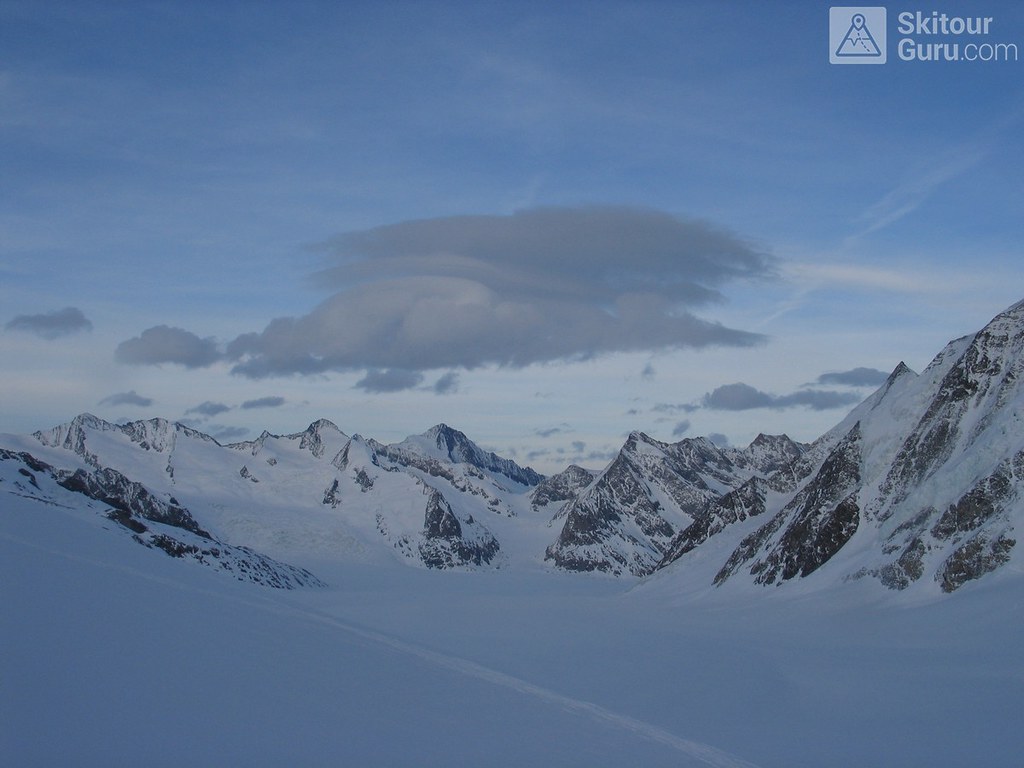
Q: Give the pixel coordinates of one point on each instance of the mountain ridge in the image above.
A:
(919, 486)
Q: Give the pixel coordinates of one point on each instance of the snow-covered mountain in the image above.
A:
(779, 604)
(625, 520)
(429, 500)
(919, 486)
(152, 522)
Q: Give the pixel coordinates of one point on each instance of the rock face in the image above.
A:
(625, 520)
(128, 499)
(448, 543)
(560, 488)
(925, 476)
(812, 527)
(734, 507)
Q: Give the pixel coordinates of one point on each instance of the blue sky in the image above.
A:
(544, 224)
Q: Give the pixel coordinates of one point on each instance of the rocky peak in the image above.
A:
(564, 486)
(152, 434)
(771, 453)
(73, 436)
(448, 444)
(312, 439)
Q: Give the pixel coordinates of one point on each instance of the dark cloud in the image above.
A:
(539, 285)
(737, 397)
(163, 344)
(857, 377)
(681, 428)
(209, 409)
(743, 397)
(51, 325)
(127, 398)
(448, 384)
(579, 446)
(648, 373)
(719, 439)
(549, 432)
(273, 401)
(390, 380)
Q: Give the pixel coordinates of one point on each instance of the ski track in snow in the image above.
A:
(703, 752)
(695, 750)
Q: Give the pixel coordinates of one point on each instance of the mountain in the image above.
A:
(917, 487)
(920, 485)
(450, 445)
(624, 520)
(430, 500)
(150, 521)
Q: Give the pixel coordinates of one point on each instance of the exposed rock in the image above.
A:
(128, 497)
(331, 496)
(980, 555)
(745, 502)
(815, 525)
(363, 480)
(975, 507)
(909, 567)
(446, 544)
(562, 487)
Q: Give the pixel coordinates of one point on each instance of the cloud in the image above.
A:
(743, 397)
(857, 377)
(448, 384)
(674, 407)
(681, 428)
(163, 344)
(536, 286)
(865, 278)
(264, 402)
(391, 380)
(549, 432)
(209, 409)
(648, 373)
(719, 439)
(918, 185)
(51, 325)
(127, 398)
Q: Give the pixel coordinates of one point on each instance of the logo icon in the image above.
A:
(857, 35)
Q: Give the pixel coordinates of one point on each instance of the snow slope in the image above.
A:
(117, 655)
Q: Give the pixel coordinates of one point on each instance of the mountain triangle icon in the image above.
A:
(858, 40)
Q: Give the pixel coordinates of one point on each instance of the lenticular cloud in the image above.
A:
(536, 286)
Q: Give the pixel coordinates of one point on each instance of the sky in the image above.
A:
(547, 225)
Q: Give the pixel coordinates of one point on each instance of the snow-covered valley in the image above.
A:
(117, 655)
(323, 599)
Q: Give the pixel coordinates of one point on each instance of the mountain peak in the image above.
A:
(448, 444)
(900, 370)
(322, 424)
(449, 439)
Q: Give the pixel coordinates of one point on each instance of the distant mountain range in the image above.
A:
(919, 487)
